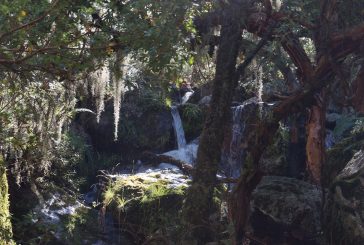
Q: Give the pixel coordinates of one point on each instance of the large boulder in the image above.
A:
(339, 155)
(286, 210)
(62, 219)
(147, 202)
(344, 209)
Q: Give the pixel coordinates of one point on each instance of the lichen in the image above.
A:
(5, 223)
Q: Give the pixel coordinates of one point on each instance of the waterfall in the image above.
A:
(235, 153)
(178, 128)
(186, 97)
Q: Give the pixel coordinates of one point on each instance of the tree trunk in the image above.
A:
(199, 202)
(239, 203)
(315, 146)
(261, 137)
(358, 99)
(5, 223)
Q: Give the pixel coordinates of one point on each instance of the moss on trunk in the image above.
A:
(199, 202)
(5, 223)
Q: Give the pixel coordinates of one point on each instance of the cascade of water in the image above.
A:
(235, 154)
(178, 128)
(186, 97)
(259, 78)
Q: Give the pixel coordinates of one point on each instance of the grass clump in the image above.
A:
(148, 202)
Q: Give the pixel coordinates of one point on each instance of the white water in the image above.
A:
(55, 207)
(178, 128)
(187, 154)
(186, 97)
(236, 137)
(232, 158)
(170, 174)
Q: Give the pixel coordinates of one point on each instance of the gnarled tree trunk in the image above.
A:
(315, 146)
(199, 203)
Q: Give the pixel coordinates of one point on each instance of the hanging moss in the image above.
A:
(5, 224)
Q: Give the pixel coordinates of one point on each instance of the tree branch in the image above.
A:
(293, 47)
(241, 68)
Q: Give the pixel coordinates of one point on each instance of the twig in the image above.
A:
(241, 68)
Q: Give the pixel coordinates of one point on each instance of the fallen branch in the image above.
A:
(228, 180)
(156, 159)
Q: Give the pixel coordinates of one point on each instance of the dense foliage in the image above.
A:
(60, 59)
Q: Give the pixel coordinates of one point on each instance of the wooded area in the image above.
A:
(181, 122)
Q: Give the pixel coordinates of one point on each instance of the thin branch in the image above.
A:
(241, 68)
(291, 16)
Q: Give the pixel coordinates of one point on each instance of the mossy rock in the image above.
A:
(152, 202)
(146, 200)
(61, 220)
(339, 155)
(285, 207)
(344, 216)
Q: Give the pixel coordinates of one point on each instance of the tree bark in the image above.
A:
(239, 203)
(199, 203)
(315, 146)
(358, 99)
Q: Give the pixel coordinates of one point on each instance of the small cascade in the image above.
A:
(187, 154)
(329, 139)
(186, 97)
(178, 128)
(235, 153)
(243, 118)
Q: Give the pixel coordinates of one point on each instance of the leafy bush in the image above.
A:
(192, 119)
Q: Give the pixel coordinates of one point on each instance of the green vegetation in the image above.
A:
(193, 118)
(145, 201)
(88, 85)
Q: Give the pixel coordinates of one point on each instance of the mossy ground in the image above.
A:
(152, 205)
(149, 203)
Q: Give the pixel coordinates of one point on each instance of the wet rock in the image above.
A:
(145, 124)
(332, 117)
(286, 209)
(61, 219)
(205, 100)
(148, 201)
(344, 209)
